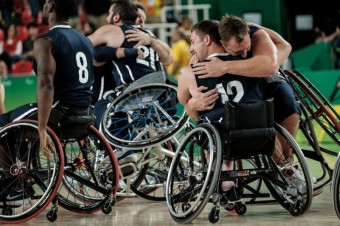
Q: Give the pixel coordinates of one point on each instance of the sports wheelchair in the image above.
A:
(316, 114)
(195, 175)
(88, 172)
(147, 118)
(316, 108)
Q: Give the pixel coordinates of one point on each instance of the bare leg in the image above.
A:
(226, 165)
(282, 148)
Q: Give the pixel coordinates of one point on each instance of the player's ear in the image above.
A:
(50, 6)
(207, 40)
(116, 18)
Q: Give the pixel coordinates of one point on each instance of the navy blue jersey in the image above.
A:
(252, 30)
(127, 70)
(73, 54)
(103, 82)
(231, 88)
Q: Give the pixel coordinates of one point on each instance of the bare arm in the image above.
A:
(185, 81)
(110, 35)
(283, 47)
(194, 98)
(2, 98)
(263, 63)
(46, 68)
(161, 48)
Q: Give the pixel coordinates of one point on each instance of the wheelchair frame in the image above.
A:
(190, 189)
(88, 173)
(159, 126)
(315, 107)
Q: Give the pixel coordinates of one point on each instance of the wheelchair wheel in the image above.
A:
(336, 187)
(313, 152)
(143, 117)
(316, 104)
(150, 181)
(27, 174)
(91, 174)
(291, 184)
(194, 173)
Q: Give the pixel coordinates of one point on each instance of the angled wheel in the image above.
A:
(26, 172)
(154, 164)
(315, 107)
(143, 117)
(193, 173)
(290, 182)
(91, 174)
(316, 104)
(336, 187)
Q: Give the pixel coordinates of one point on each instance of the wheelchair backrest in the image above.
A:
(250, 129)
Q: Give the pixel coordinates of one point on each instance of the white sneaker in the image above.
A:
(295, 177)
(316, 191)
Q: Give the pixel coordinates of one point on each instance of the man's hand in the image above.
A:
(203, 101)
(209, 69)
(46, 144)
(136, 35)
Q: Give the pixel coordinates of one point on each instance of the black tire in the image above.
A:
(37, 176)
(293, 196)
(192, 180)
(150, 181)
(91, 174)
(316, 104)
(336, 187)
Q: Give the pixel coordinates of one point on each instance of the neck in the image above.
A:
(216, 49)
(53, 22)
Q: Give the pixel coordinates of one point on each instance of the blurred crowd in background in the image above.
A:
(21, 23)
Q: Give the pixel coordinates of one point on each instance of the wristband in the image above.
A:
(131, 52)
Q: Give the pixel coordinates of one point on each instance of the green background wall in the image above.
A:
(19, 90)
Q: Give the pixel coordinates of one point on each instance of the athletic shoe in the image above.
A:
(295, 177)
(233, 194)
(230, 197)
(15, 198)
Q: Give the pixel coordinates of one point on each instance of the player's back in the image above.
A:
(73, 54)
(231, 87)
(127, 70)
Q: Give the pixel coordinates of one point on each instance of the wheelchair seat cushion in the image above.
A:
(68, 124)
(76, 127)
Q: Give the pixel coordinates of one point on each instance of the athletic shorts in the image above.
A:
(285, 103)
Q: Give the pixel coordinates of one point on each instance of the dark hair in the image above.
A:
(32, 24)
(140, 6)
(64, 8)
(207, 27)
(127, 10)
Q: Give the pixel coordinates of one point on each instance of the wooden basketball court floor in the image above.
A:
(140, 212)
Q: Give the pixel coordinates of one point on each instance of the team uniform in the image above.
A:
(124, 71)
(232, 88)
(127, 70)
(72, 83)
(285, 103)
